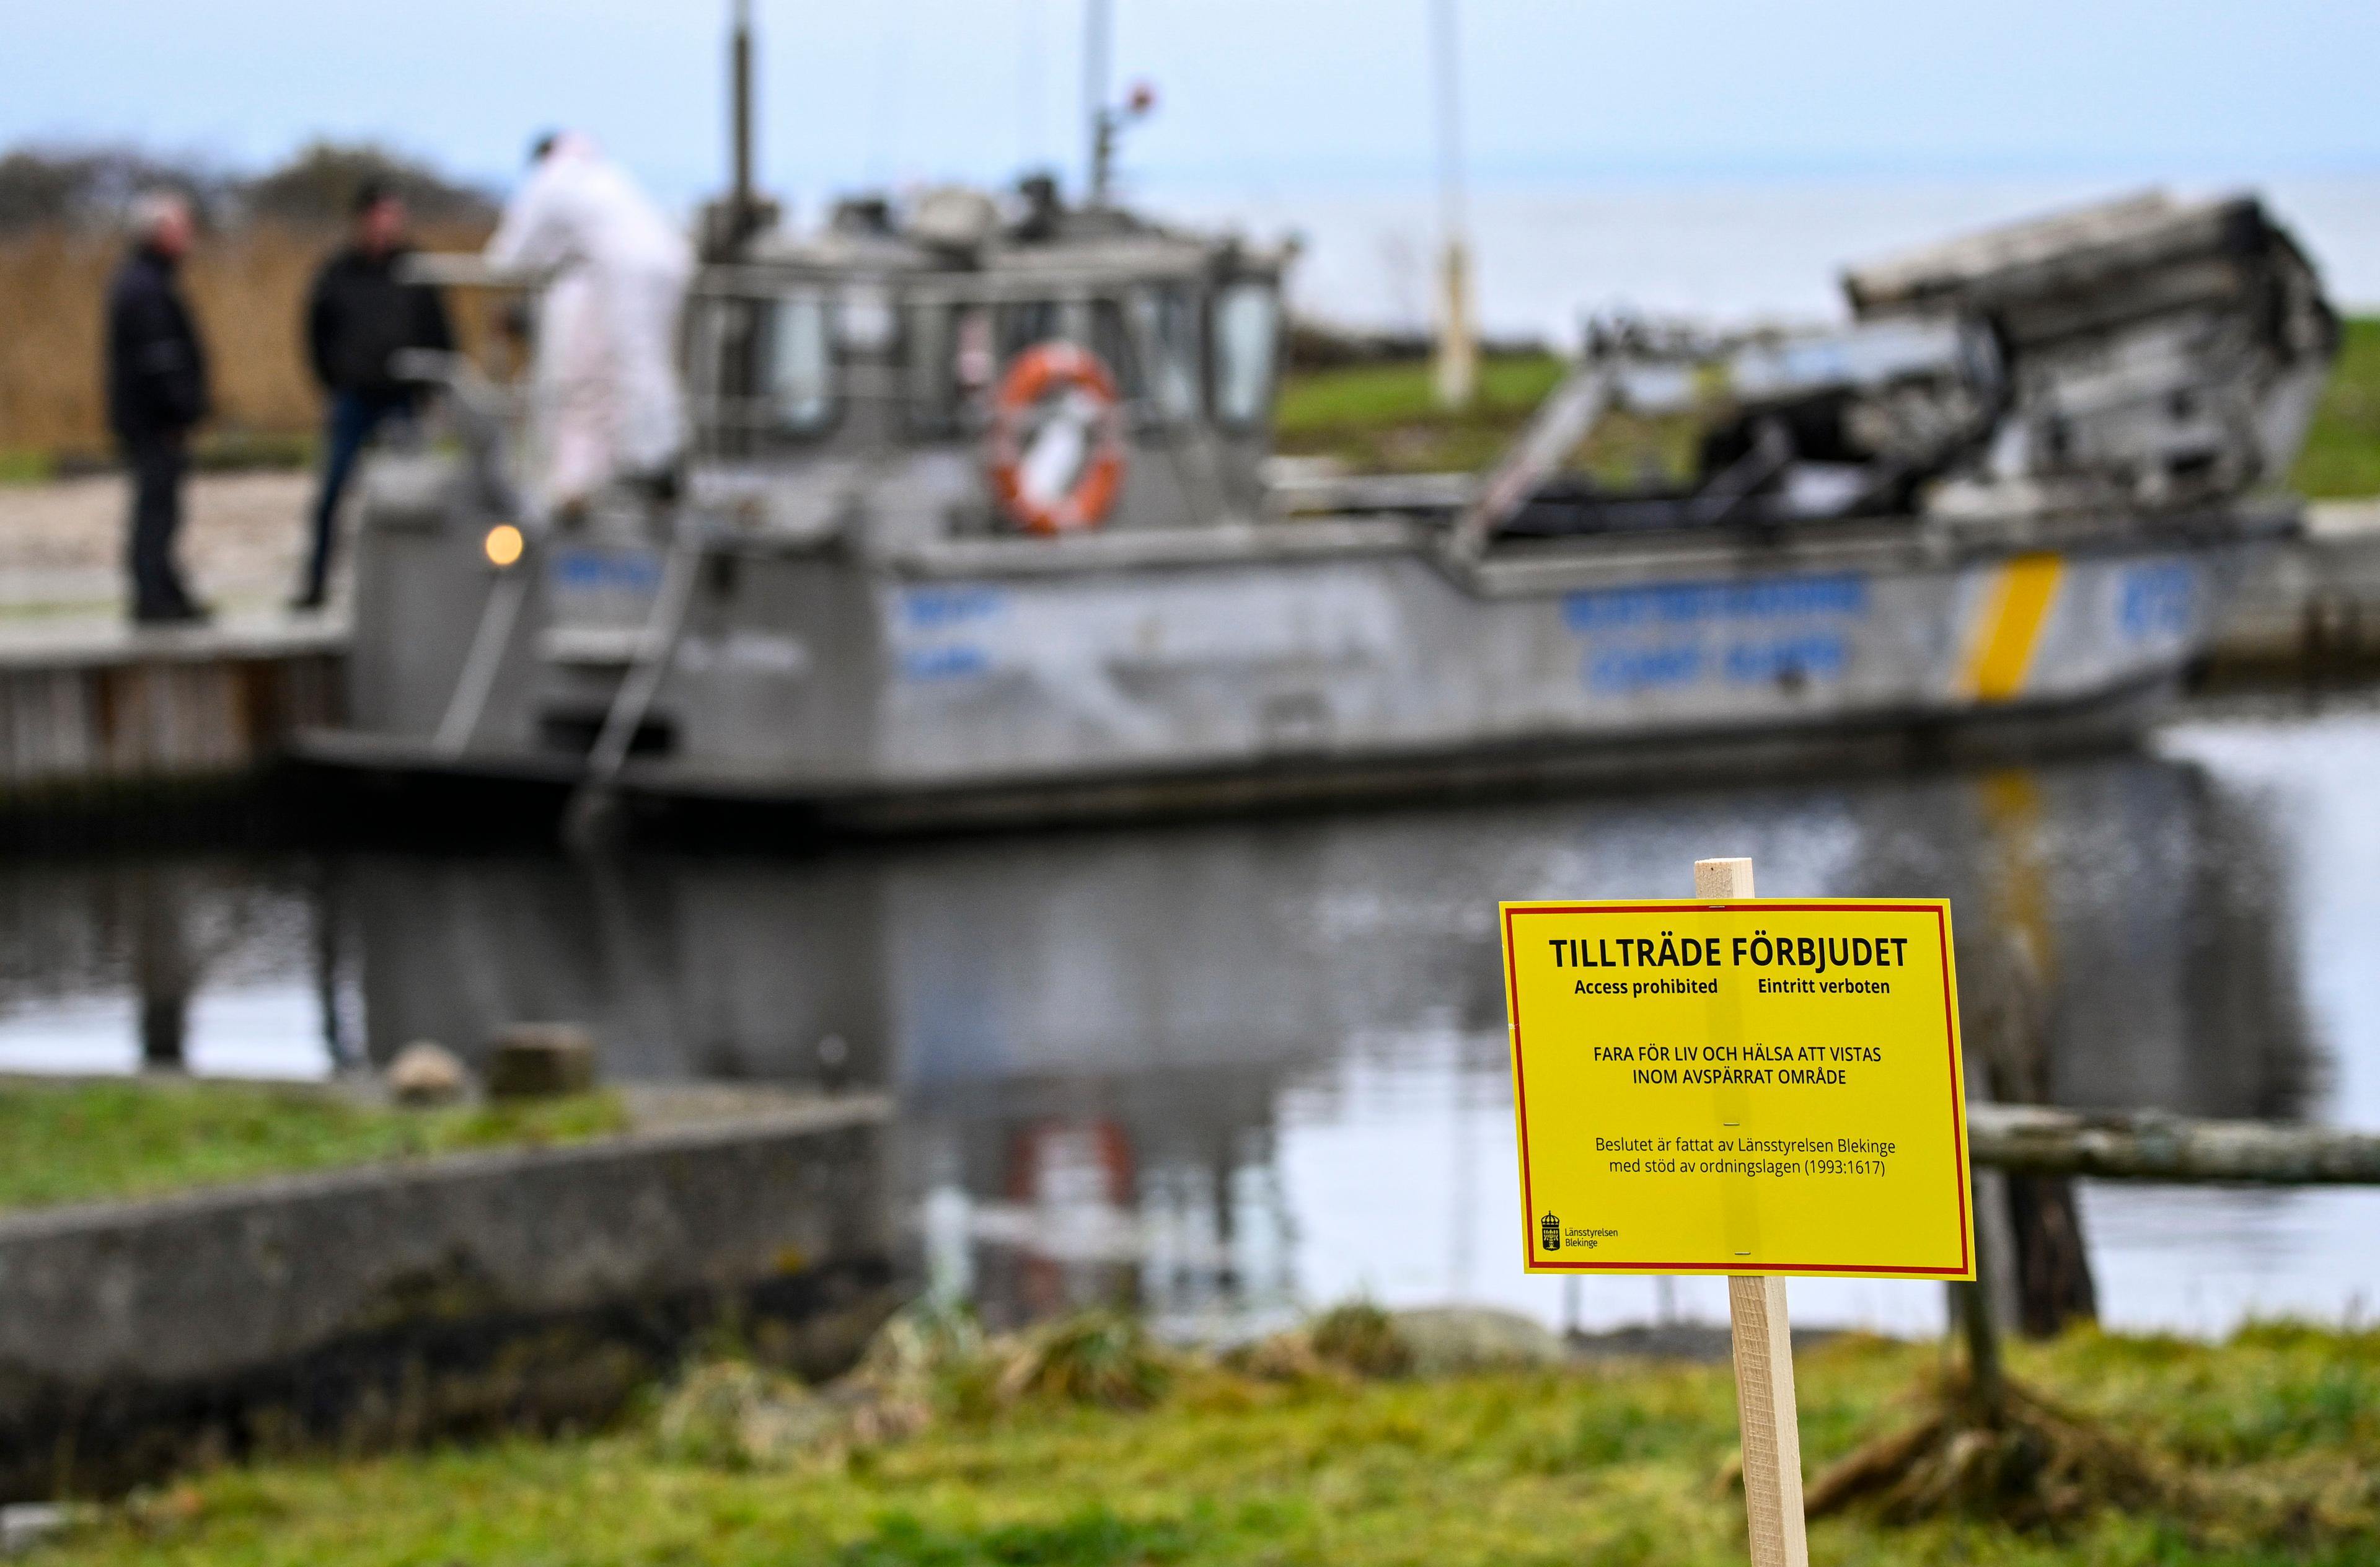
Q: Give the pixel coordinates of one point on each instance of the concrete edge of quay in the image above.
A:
(399, 1302)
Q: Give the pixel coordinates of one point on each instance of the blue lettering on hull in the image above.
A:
(1664, 636)
(2157, 600)
(934, 609)
(937, 633)
(953, 662)
(1622, 669)
(1692, 603)
(1816, 655)
(600, 571)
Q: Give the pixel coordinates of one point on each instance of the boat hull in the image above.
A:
(1014, 679)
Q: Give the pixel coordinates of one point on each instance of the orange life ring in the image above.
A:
(1057, 393)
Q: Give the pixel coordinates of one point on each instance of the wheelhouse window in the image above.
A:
(764, 369)
(1165, 334)
(1247, 332)
(931, 376)
(949, 364)
(1024, 322)
(799, 385)
(1118, 345)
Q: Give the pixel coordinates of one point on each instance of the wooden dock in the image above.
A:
(91, 706)
(2312, 610)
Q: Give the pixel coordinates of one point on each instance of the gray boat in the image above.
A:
(977, 526)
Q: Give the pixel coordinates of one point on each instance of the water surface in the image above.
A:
(1233, 1068)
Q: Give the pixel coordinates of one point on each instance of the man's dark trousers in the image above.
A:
(355, 418)
(157, 461)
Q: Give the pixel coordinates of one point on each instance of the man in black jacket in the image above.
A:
(359, 319)
(156, 393)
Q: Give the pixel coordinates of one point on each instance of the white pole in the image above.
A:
(1457, 368)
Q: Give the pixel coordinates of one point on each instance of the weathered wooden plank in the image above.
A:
(2034, 1140)
(1764, 1358)
(105, 703)
(52, 725)
(209, 736)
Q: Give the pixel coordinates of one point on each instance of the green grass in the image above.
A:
(237, 450)
(1382, 419)
(23, 464)
(89, 1141)
(1389, 394)
(2342, 454)
(1622, 1465)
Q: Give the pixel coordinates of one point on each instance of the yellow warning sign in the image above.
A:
(1762, 1086)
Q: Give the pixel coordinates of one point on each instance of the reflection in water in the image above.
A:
(1224, 1069)
(167, 962)
(164, 970)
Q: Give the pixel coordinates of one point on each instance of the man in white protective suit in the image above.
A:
(607, 401)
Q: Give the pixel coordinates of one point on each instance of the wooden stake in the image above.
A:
(1764, 1358)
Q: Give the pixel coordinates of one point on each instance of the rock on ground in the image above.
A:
(1447, 1338)
(426, 1072)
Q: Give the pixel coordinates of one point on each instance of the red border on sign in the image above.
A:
(1949, 1043)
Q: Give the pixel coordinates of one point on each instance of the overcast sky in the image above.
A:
(1257, 96)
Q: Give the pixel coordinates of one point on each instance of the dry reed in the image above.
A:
(248, 289)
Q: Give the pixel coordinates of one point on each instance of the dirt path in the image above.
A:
(62, 544)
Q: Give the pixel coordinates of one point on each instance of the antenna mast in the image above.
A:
(730, 222)
(740, 130)
(1097, 26)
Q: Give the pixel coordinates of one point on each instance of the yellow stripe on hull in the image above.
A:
(2010, 628)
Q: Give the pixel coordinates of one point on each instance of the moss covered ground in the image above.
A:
(1380, 418)
(85, 1141)
(1618, 1463)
